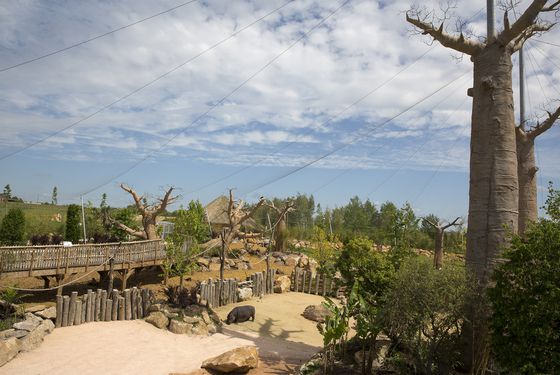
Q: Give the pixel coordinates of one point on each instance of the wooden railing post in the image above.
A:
(31, 262)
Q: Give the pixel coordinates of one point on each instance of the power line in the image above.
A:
(144, 85)
(55, 52)
(549, 43)
(324, 123)
(357, 137)
(219, 102)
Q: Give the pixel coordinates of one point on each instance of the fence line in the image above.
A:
(305, 282)
(102, 306)
(261, 282)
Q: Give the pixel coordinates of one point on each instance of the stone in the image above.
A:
(291, 261)
(171, 315)
(180, 328)
(303, 261)
(312, 266)
(203, 262)
(192, 320)
(8, 349)
(244, 294)
(29, 324)
(317, 313)
(211, 328)
(7, 333)
(158, 319)
(282, 284)
(36, 308)
(200, 329)
(155, 307)
(240, 359)
(206, 317)
(48, 313)
(35, 337)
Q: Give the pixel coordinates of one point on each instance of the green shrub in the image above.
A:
(12, 229)
(73, 223)
(525, 321)
(424, 312)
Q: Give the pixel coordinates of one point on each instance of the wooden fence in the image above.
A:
(101, 306)
(26, 261)
(261, 283)
(320, 284)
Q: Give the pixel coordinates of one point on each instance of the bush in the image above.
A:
(12, 229)
(73, 223)
(424, 312)
(525, 321)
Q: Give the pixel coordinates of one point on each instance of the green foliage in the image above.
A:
(323, 252)
(54, 198)
(73, 223)
(525, 300)
(424, 311)
(12, 229)
(127, 217)
(334, 331)
(8, 191)
(192, 222)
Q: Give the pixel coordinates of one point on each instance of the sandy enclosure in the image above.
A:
(285, 340)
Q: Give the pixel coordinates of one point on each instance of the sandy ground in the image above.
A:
(285, 340)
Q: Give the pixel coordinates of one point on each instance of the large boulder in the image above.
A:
(282, 284)
(180, 328)
(203, 262)
(303, 261)
(240, 359)
(244, 294)
(29, 324)
(8, 349)
(35, 337)
(317, 313)
(34, 309)
(158, 319)
(48, 313)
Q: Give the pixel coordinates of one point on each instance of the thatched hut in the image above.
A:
(217, 215)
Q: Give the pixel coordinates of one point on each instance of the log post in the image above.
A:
(78, 315)
(134, 303)
(145, 301)
(115, 308)
(108, 310)
(127, 305)
(84, 308)
(111, 274)
(97, 310)
(65, 308)
(103, 310)
(121, 308)
(90, 301)
(59, 307)
(72, 312)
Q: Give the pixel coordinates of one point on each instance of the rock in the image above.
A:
(200, 329)
(206, 317)
(278, 254)
(155, 307)
(244, 294)
(211, 328)
(240, 359)
(282, 284)
(19, 333)
(215, 260)
(8, 349)
(48, 313)
(7, 333)
(203, 262)
(192, 320)
(312, 266)
(29, 324)
(241, 265)
(317, 313)
(36, 308)
(303, 261)
(35, 337)
(171, 315)
(180, 328)
(230, 262)
(291, 261)
(158, 319)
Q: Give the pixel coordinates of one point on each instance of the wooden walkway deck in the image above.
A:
(30, 261)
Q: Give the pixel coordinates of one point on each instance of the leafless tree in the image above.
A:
(440, 230)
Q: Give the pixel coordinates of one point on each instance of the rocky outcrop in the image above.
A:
(237, 360)
(9, 348)
(317, 313)
(192, 320)
(282, 284)
(158, 319)
(244, 294)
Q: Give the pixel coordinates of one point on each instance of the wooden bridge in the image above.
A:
(60, 261)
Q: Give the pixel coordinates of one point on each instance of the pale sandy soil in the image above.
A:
(285, 340)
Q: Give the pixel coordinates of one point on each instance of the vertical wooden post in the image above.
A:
(121, 308)
(115, 308)
(222, 262)
(139, 312)
(303, 281)
(111, 275)
(84, 308)
(78, 315)
(127, 305)
(310, 282)
(108, 310)
(317, 278)
(31, 263)
(102, 311)
(72, 312)
(90, 301)
(65, 310)
(134, 304)
(145, 301)
(325, 285)
(59, 309)
(97, 310)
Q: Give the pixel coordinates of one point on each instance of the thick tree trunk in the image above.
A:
(493, 190)
(150, 229)
(526, 171)
(280, 235)
(438, 252)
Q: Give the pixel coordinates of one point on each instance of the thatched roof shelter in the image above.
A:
(217, 213)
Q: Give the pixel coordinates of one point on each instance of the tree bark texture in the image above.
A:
(527, 174)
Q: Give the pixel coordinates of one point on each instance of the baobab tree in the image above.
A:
(149, 213)
(280, 229)
(440, 231)
(527, 169)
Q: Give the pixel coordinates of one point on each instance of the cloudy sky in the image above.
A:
(334, 98)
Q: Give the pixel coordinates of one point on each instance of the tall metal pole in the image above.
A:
(522, 117)
(490, 21)
(84, 220)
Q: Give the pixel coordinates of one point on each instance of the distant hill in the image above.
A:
(39, 218)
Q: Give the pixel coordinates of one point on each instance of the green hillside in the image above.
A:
(39, 218)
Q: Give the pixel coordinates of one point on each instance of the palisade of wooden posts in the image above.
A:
(96, 306)
(304, 281)
(261, 282)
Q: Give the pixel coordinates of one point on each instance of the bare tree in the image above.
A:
(527, 169)
(237, 217)
(280, 228)
(149, 213)
(440, 230)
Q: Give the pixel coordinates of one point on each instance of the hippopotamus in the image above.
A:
(241, 314)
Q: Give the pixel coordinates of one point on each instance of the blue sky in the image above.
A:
(293, 112)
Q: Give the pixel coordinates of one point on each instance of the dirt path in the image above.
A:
(285, 339)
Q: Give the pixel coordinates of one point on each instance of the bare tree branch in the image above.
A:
(453, 223)
(132, 232)
(547, 124)
(137, 198)
(528, 33)
(524, 22)
(252, 212)
(164, 202)
(552, 7)
(458, 43)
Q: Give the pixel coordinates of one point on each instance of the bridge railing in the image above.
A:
(34, 258)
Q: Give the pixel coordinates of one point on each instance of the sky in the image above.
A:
(330, 98)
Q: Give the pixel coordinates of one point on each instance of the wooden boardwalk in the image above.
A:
(55, 260)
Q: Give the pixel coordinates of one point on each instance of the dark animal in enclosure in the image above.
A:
(241, 314)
